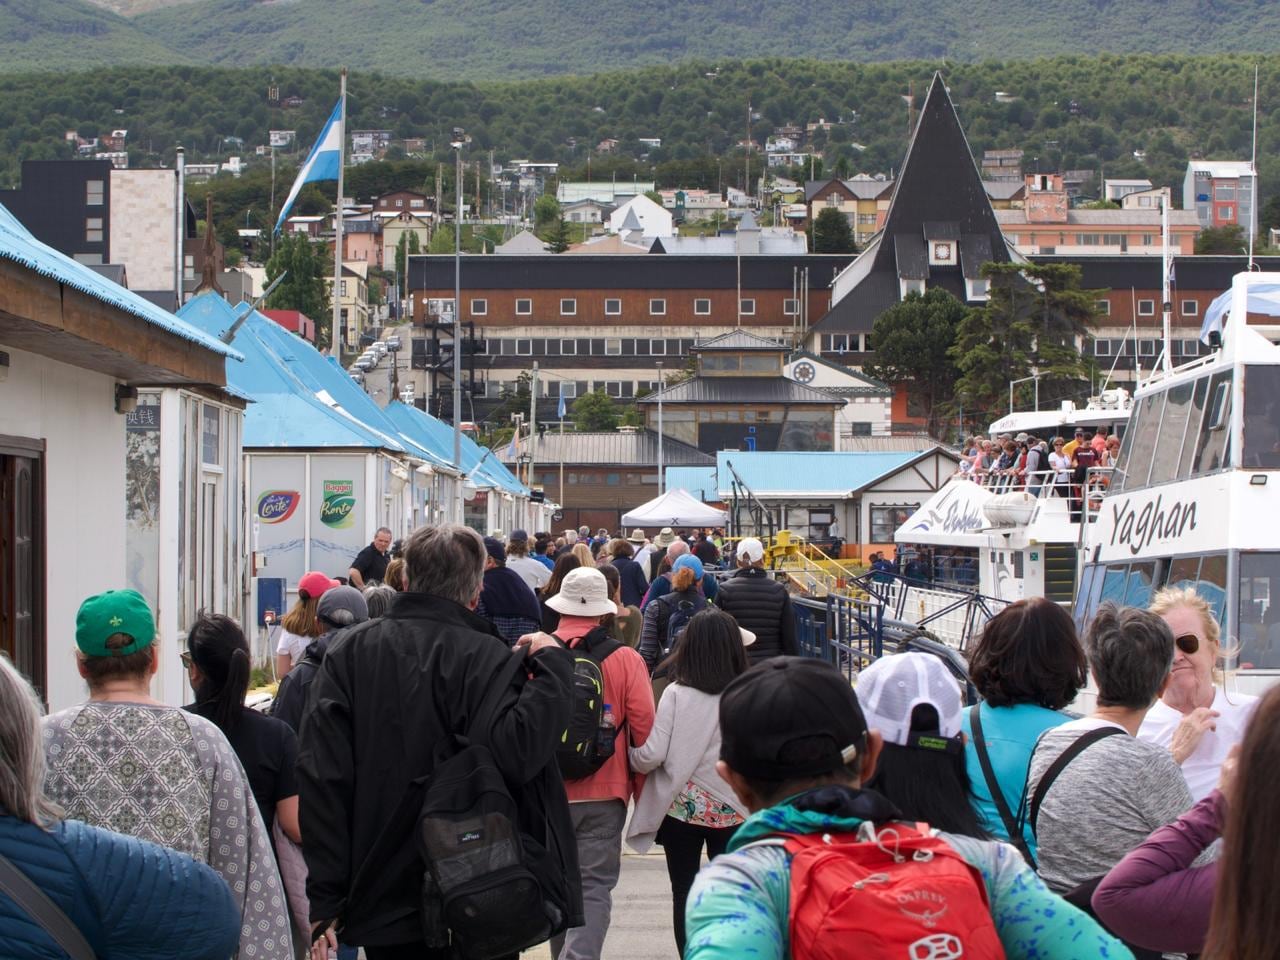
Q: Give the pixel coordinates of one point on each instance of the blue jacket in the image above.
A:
(132, 900)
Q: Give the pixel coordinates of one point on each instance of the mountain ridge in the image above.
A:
(503, 39)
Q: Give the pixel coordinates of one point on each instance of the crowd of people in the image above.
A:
(455, 747)
(1056, 465)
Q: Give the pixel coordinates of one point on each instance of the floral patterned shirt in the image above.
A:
(164, 775)
(697, 806)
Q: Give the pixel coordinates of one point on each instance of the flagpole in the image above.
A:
(335, 335)
(561, 412)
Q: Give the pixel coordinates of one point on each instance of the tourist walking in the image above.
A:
(685, 806)
(126, 762)
(127, 898)
(299, 627)
(759, 604)
(339, 608)
(667, 617)
(382, 711)
(506, 600)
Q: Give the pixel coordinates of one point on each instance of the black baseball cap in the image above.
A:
(788, 718)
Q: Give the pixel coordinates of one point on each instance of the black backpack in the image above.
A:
(490, 889)
(587, 743)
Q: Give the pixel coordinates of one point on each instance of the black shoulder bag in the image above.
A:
(51, 918)
(1012, 825)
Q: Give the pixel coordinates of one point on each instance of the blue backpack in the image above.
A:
(682, 611)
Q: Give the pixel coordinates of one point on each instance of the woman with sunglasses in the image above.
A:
(1195, 717)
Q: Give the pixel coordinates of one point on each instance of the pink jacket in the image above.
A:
(628, 690)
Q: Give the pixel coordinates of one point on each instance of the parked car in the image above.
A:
(363, 365)
(393, 343)
(357, 375)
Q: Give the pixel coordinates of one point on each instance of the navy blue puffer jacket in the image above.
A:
(132, 900)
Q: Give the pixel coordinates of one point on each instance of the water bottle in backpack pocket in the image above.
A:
(588, 742)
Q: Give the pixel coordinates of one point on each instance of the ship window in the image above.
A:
(1193, 427)
(1138, 463)
(1168, 451)
(1113, 584)
(1211, 442)
(1259, 617)
(1138, 586)
(1261, 417)
(1120, 480)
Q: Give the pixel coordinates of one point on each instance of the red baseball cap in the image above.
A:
(315, 583)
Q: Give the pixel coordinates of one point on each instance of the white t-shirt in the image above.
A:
(532, 572)
(1203, 767)
(293, 644)
(1061, 465)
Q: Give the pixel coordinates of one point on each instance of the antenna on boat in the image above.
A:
(1253, 166)
(1166, 355)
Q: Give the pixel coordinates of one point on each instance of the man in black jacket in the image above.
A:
(380, 708)
(759, 604)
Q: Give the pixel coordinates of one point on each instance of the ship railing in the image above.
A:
(846, 632)
(952, 614)
(1096, 483)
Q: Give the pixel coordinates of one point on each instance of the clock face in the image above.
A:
(804, 371)
(942, 251)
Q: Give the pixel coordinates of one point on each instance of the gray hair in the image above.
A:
(22, 751)
(378, 597)
(1130, 654)
(677, 548)
(386, 530)
(446, 560)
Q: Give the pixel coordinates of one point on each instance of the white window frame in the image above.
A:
(572, 304)
(747, 307)
(568, 389)
(524, 307)
(613, 307)
(1191, 348)
(528, 346)
(1146, 348)
(613, 347)
(613, 388)
(790, 307)
(1103, 307)
(1102, 347)
(93, 229)
(479, 308)
(1194, 306)
(657, 307)
(568, 347)
(1146, 308)
(702, 307)
(656, 351)
(90, 193)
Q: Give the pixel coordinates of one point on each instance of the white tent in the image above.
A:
(675, 508)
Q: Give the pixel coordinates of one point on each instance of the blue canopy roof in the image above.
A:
(699, 481)
(285, 411)
(814, 474)
(17, 244)
(482, 466)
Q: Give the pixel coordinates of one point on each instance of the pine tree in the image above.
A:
(304, 288)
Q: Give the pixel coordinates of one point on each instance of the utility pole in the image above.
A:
(458, 143)
(533, 423)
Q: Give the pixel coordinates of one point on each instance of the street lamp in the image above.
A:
(459, 141)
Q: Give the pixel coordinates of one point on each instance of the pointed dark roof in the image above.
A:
(939, 195)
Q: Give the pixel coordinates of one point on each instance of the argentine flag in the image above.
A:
(322, 162)
(560, 408)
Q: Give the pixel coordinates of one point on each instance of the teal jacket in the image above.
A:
(739, 905)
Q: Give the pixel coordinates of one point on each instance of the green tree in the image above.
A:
(1223, 240)
(1269, 217)
(913, 342)
(655, 196)
(546, 211)
(303, 289)
(832, 233)
(594, 411)
(1034, 317)
(1100, 205)
(558, 237)
(442, 240)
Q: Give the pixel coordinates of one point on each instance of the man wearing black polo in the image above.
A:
(370, 564)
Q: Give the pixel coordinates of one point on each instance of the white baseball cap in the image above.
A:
(891, 688)
(751, 548)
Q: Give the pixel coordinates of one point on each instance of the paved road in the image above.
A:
(641, 927)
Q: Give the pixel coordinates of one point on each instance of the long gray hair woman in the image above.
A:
(124, 897)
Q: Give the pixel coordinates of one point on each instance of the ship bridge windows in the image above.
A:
(1134, 583)
(1259, 613)
(1261, 417)
(1184, 431)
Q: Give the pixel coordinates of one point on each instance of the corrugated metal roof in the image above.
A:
(17, 244)
(741, 390)
(607, 448)
(482, 466)
(738, 340)
(838, 475)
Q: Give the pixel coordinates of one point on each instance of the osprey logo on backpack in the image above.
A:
(899, 893)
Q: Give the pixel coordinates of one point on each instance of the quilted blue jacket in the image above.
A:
(131, 899)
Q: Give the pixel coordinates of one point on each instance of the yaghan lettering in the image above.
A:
(1139, 528)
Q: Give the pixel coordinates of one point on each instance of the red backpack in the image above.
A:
(898, 894)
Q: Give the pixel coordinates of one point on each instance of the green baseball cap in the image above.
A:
(105, 615)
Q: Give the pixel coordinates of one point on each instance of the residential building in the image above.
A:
(353, 304)
(401, 225)
(524, 243)
(119, 159)
(939, 231)
(585, 211)
(1117, 190)
(864, 200)
(1048, 224)
(596, 477)
(362, 240)
(748, 238)
(739, 399)
(606, 322)
(404, 201)
(1155, 199)
(998, 165)
(115, 141)
(791, 158)
(1222, 193)
(607, 192)
(654, 220)
(311, 226)
(281, 139)
(96, 214)
(373, 142)
(295, 321)
(1005, 194)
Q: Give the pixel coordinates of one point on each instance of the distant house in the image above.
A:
(292, 102)
(295, 321)
(281, 138)
(399, 225)
(864, 200)
(404, 201)
(586, 211)
(654, 220)
(524, 242)
(1222, 193)
(1117, 190)
(374, 142)
(115, 141)
(311, 226)
(788, 158)
(607, 145)
(362, 240)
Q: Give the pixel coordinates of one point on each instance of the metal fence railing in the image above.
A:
(845, 632)
(951, 614)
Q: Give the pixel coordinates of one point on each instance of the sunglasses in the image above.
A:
(185, 657)
(1188, 643)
